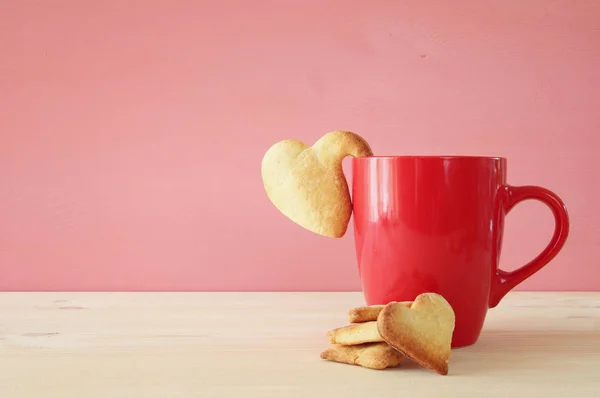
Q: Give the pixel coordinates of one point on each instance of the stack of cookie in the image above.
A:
(381, 336)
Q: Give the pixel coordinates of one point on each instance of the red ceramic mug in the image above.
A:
(435, 224)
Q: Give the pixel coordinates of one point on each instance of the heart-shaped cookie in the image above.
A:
(307, 183)
(369, 313)
(422, 332)
(369, 355)
(357, 333)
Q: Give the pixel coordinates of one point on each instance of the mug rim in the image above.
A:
(441, 157)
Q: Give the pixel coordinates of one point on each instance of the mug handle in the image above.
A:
(503, 281)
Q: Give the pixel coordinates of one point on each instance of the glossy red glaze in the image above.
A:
(435, 224)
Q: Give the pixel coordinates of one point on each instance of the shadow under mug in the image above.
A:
(435, 224)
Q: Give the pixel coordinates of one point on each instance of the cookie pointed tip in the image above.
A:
(324, 354)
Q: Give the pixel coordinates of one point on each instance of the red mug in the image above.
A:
(435, 224)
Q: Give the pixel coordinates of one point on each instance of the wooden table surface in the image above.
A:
(114, 345)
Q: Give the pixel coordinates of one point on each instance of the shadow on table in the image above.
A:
(510, 351)
(504, 351)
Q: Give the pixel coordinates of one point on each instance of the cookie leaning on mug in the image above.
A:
(307, 183)
(422, 332)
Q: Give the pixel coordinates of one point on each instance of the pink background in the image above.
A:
(131, 132)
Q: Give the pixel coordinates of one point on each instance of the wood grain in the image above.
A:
(268, 344)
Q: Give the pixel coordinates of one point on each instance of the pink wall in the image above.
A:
(131, 133)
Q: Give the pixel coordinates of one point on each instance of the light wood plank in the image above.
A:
(268, 344)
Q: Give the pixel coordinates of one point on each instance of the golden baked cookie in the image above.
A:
(368, 313)
(358, 333)
(370, 355)
(307, 183)
(422, 332)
